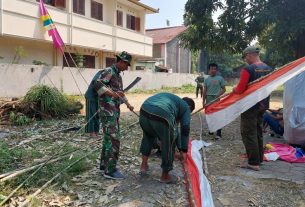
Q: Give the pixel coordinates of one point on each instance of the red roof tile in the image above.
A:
(164, 35)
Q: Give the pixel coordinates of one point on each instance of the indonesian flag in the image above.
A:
(223, 112)
(199, 190)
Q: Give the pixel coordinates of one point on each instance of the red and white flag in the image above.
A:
(223, 112)
(198, 183)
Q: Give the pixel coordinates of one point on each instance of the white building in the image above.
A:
(94, 30)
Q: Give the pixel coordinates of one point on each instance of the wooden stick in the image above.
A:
(9, 103)
(215, 100)
(53, 178)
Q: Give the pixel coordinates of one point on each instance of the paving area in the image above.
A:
(281, 170)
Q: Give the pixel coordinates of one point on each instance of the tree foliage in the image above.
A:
(278, 25)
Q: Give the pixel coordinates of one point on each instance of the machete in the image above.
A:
(132, 84)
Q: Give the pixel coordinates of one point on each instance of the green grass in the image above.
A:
(14, 159)
(11, 159)
(183, 89)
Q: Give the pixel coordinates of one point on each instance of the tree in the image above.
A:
(278, 25)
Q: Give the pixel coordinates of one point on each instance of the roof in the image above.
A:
(164, 35)
(147, 8)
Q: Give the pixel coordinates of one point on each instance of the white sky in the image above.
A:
(171, 10)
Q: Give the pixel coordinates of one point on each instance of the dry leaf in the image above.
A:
(110, 188)
(103, 200)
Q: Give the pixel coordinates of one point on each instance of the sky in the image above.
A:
(171, 10)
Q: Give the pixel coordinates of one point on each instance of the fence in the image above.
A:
(16, 80)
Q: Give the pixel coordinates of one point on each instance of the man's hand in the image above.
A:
(130, 107)
(183, 156)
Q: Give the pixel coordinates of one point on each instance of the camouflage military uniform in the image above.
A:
(109, 114)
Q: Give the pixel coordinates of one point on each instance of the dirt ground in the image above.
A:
(231, 186)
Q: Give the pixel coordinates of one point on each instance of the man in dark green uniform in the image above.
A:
(93, 125)
(109, 87)
(200, 82)
(160, 116)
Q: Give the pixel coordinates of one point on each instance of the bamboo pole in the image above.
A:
(10, 175)
(53, 178)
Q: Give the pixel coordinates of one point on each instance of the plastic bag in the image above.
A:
(294, 110)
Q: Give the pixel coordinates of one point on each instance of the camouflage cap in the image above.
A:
(250, 49)
(125, 56)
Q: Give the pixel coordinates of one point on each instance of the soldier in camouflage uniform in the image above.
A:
(109, 87)
(200, 83)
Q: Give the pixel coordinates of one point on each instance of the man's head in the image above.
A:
(213, 68)
(189, 102)
(251, 54)
(123, 60)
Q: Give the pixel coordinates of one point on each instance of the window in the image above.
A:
(110, 61)
(133, 22)
(79, 7)
(56, 3)
(83, 61)
(119, 18)
(96, 10)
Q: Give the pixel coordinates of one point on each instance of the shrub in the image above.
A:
(19, 119)
(46, 99)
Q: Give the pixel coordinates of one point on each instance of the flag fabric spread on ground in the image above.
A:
(50, 26)
(223, 112)
(199, 185)
(287, 152)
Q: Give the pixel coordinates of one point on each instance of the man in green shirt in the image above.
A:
(160, 116)
(200, 82)
(214, 87)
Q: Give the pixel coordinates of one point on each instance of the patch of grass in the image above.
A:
(11, 159)
(19, 119)
(188, 88)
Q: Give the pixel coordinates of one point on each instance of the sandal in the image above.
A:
(144, 173)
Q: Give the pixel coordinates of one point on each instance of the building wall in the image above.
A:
(185, 61)
(16, 80)
(20, 19)
(33, 50)
(177, 58)
(157, 51)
